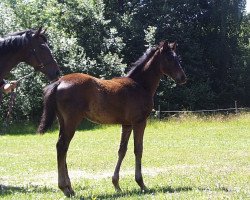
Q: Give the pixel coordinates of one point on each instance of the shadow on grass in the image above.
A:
(6, 190)
(138, 192)
(152, 191)
(20, 128)
(10, 190)
(30, 128)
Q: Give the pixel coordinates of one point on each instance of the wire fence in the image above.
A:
(159, 114)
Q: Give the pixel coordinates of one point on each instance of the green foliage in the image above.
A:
(8, 20)
(150, 36)
(79, 36)
(102, 38)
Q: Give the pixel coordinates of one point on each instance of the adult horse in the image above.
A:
(127, 101)
(30, 47)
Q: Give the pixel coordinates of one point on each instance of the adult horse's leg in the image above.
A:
(67, 130)
(138, 130)
(126, 131)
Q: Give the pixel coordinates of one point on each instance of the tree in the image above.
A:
(103, 38)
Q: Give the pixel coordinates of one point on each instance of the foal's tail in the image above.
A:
(49, 107)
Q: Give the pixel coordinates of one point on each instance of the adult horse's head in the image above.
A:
(170, 63)
(38, 54)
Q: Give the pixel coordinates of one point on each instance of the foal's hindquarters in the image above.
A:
(116, 101)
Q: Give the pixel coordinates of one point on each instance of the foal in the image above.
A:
(127, 101)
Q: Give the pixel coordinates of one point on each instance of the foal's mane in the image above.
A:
(140, 63)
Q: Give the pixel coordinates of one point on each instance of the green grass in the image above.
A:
(184, 158)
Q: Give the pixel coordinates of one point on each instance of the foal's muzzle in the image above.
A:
(182, 80)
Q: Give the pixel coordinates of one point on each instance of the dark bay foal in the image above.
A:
(127, 101)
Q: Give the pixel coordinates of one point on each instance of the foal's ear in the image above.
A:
(173, 46)
(38, 32)
(164, 46)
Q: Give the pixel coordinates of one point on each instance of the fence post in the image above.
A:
(159, 112)
(236, 107)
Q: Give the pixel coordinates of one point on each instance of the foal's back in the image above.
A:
(119, 100)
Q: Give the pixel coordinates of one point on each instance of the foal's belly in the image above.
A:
(106, 120)
(117, 113)
(107, 115)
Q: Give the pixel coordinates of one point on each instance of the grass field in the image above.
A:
(184, 158)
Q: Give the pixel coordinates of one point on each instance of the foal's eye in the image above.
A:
(43, 46)
(179, 59)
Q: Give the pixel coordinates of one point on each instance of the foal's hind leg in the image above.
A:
(67, 130)
(138, 130)
(126, 131)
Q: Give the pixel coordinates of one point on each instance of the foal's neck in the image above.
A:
(150, 74)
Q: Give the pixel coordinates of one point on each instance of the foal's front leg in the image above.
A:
(138, 130)
(126, 131)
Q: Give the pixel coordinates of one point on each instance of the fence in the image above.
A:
(159, 114)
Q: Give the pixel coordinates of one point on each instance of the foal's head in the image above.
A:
(170, 64)
(39, 55)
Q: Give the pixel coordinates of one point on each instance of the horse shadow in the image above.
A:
(6, 190)
(30, 128)
(138, 192)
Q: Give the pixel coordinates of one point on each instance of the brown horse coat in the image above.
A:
(127, 101)
(107, 101)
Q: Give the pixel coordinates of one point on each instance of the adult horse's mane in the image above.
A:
(29, 32)
(14, 41)
(139, 64)
(21, 32)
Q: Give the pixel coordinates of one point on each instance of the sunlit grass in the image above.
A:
(188, 157)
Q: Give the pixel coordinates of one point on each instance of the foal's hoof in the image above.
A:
(118, 189)
(115, 182)
(144, 189)
(68, 192)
